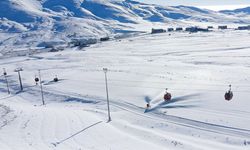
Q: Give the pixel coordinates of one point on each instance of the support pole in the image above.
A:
(41, 86)
(6, 80)
(18, 70)
(20, 80)
(105, 72)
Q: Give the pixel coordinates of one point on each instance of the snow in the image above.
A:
(48, 20)
(196, 68)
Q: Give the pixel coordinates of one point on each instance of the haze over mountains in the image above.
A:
(45, 20)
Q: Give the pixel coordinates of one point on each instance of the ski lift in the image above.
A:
(167, 96)
(4, 72)
(36, 80)
(148, 105)
(56, 79)
(229, 94)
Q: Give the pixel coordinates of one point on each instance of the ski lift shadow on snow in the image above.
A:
(25, 89)
(53, 82)
(73, 135)
(165, 104)
(80, 100)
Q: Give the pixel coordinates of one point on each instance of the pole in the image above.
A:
(18, 70)
(105, 72)
(41, 86)
(7, 83)
(20, 80)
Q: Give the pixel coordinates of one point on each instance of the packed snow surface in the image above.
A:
(196, 68)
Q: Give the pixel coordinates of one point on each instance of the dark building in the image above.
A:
(196, 29)
(222, 27)
(104, 38)
(179, 29)
(154, 31)
(244, 27)
(82, 42)
(170, 29)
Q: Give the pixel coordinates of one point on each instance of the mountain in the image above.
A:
(240, 13)
(30, 22)
(245, 10)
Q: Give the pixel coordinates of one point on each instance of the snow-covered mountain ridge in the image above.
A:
(29, 20)
(240, 10)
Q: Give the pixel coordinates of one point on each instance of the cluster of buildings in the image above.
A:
(244, 27)
(196, 29)
(188, 29)
(85, 42)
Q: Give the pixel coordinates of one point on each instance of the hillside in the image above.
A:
(237, 11)
(22, 22)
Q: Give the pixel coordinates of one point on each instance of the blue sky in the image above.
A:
(211, 4)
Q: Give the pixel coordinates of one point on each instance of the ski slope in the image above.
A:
(196, 68)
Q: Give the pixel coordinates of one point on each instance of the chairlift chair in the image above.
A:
(148, 105)
(36, 79)
(56, 79)
(167, 96)
(229, 94)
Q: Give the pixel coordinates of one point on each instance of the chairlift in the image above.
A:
(56, 79)
(167, 96)
(229, 94)
(148, 105)
(36, 79)
(4, 72)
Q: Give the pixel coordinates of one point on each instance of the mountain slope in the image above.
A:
(245, 10)
(46, 20)
(240, 13)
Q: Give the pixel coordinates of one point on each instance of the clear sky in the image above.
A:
(211, 4)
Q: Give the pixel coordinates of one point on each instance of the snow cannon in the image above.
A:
(167, 96)
(229, 94)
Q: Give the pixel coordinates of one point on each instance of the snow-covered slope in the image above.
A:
(241, 13)
(245, 10)
(48, 20)
(197, 69)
